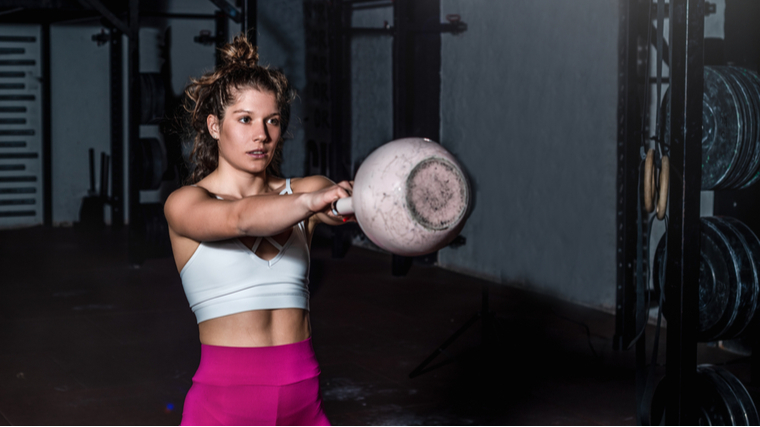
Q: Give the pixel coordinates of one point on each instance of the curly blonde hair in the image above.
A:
(216, 90)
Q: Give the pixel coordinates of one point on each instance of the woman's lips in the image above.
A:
(257, 154)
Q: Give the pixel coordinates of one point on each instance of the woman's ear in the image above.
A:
(212, 123)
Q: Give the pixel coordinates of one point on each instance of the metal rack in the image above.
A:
(686, 61)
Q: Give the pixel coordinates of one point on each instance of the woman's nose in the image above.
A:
(260, 131)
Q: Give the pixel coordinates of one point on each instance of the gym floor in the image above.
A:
(87, 339)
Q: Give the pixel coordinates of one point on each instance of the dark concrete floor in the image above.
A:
(86, 339)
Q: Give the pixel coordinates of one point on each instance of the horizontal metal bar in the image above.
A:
(19, 155)
(22, 39)
(12, 74)
(374, 6)
(20, 190)
(17, 98)
(17, 202)
(17, 213)
(12, 144)
(13, 109)
(368, 30)
(18, 179)
(12, 50)
(16, 132)
(17, 62)
(12, 121)
(12, 167)
(200, 16)
(8, 86)
(113, 19)
(710, 9)
(229, 10)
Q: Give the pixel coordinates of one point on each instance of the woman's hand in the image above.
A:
(324, 194)
(320, 201)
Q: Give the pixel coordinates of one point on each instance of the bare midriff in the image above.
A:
(257, 328)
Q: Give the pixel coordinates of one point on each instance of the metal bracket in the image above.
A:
(205, 38)
(102, 37)
(229, 10)
(454, 26)
(113, 19)
(710, 9)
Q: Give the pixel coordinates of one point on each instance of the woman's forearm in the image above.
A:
(271, 214)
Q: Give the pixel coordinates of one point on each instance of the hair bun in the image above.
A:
(240, 51)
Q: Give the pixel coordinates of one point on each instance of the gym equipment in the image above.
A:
(722, 399)
(730, 129)
(152, 98)
(656, 189)
(151, 163)
(410, 197)
(729, 269)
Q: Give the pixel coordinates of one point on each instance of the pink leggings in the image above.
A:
(276, 385)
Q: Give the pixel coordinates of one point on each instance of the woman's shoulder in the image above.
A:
(310, 183)
(181, 197)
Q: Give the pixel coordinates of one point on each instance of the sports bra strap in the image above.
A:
(287, 189)
(274, 243)
(256, 244)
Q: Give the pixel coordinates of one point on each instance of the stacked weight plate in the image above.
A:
(730, 128)
(722, 399)
(729, 272)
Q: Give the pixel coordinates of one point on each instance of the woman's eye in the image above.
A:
(274, 121)
(245, 120)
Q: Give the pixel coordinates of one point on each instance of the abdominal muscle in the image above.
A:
(257, 328)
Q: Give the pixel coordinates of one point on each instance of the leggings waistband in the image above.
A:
(276, 365)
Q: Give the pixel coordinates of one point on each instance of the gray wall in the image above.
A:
(80, 113)
(528, 104)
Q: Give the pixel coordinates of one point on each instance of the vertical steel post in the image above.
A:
(221, 34)
(400, 26)
(682, 284)
(116, 66)
(628, 143)
(339, 163)
(249, 10)
(136, 228)
(47, 152)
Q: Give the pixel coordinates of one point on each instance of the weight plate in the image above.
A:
(735, 176)
(718, 282)
(753, 250)
(151, 163)
(752, 116)
(718, 301)
(721, 128)
(746, 284)
(726, 398)
(152, 98)
(754, 85)
(712, 409)
(749, 414)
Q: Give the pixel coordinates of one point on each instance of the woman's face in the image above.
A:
(249, 132)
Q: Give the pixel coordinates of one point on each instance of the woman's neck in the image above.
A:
(234, 182)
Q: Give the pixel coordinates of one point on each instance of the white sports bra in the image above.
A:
(226, 277)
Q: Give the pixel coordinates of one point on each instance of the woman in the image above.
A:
(240, 237)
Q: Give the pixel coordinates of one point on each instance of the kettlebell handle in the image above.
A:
(345, 206)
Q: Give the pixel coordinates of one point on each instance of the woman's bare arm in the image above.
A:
(194, 213)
